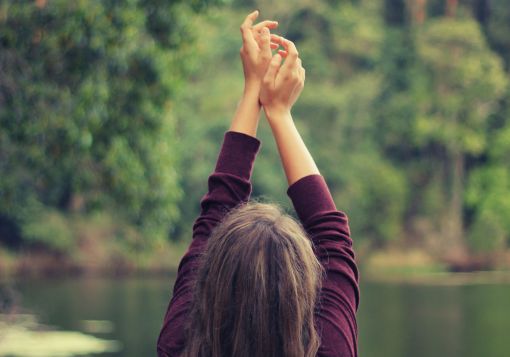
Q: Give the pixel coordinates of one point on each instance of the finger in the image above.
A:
(287, 44)
(272, 70)
(291, 61)
(299, 68)
(257, 30)
(276, 39)
(248, 21)
(246, 31)
(259, 39)
(292, 53)
(269, 24)
(265, 46)
(295, 70)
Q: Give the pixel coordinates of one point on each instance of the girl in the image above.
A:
(254, 282)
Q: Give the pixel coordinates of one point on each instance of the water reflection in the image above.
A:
(420, 320)
(21, 335)
(97, 326)
(395, 319)
(135, 308)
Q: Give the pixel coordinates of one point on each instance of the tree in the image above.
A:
(442, 85)
(465, 81)
(488, 189)
(494, 17)
(86, 126)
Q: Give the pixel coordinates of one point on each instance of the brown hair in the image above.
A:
(256, 289)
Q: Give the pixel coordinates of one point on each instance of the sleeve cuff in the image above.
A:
(310, 195)
(237, 154)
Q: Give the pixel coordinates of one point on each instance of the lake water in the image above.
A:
(395, 319)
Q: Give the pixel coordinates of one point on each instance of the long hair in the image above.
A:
(256, 289)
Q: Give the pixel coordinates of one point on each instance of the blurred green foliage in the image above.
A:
(85, 115)
(400, 116)
(120, 107)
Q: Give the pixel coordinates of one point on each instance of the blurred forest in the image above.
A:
(112, 113)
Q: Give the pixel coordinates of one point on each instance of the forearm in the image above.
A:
(296, 159)
(246, 117)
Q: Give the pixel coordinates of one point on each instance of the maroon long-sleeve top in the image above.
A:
(229, 185)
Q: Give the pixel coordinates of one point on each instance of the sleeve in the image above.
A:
(229, 185)
(329, 231)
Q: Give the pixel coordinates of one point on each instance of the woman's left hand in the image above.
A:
(256, 49)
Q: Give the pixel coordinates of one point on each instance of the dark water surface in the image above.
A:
(395, 320)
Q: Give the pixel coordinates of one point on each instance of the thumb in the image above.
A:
(272, 69)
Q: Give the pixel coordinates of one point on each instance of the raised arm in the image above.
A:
(327, 227)
(229, 184)
(282, 86)
(237, 153)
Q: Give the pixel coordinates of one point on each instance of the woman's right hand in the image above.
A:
(282, 84)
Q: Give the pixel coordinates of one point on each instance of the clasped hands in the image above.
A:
(278, 85)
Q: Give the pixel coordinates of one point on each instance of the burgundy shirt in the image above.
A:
(229, 185)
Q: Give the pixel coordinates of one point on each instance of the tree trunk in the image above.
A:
(455, 250)
(482, 11)
(451, 7)
(419, 11)
(395, 12)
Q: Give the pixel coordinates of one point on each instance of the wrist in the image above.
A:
(252, 87)
(250, 98)
(278, 115)
(247, 114)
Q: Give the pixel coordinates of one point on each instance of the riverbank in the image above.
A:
(95, 245)
(103, 258)
(417, 267)
(95, 260)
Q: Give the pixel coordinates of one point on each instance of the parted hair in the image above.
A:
(256, 288)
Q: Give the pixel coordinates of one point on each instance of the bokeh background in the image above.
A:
(111, 117)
